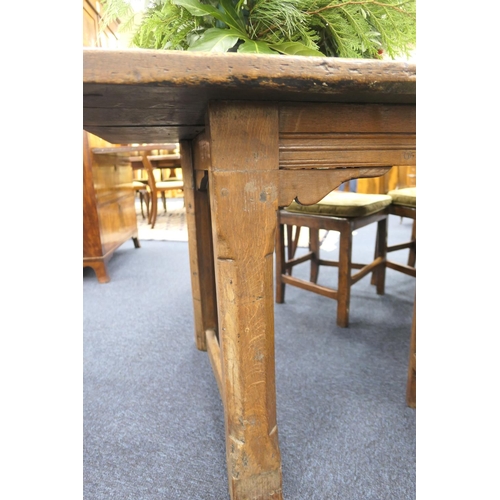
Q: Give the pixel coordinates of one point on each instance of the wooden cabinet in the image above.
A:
(92, 37)
(109, 217)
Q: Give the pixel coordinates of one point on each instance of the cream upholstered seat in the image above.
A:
(338, 211)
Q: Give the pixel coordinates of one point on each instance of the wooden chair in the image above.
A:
(158, 187)
(142, 190)
(339, 211)
(404, 204)
(168, 184)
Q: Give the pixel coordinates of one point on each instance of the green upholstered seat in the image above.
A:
(405, 196)
(341, 204)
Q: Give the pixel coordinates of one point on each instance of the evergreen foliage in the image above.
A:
(334, 28)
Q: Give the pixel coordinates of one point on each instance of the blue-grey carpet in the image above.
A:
(153, 419)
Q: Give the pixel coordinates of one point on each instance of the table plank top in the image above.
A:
(139, 95)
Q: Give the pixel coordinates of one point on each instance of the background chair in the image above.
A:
(154, 164)
(339, 211)
(404, 204)
(168, 180)
(142, 190)
(159, 170)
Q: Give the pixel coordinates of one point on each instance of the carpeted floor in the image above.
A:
(153, 419)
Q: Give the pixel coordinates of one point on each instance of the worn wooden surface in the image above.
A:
(308, 186)
(201, 256)
(256, 132)
(175, 87)
(243, 181)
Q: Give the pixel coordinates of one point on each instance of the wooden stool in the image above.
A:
(342, 212)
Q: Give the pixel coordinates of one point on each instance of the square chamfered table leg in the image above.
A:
(243, 196)
(411, 385)
(201, 257)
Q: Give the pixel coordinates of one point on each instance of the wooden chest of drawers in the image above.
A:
(109, 217)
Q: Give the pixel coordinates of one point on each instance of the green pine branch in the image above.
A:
(335, 28)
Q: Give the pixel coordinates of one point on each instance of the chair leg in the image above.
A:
(280, 262)
(378, 275)
(141, 199)
(144, 200)
(412, 257)
(164, 201)
(411, 385)
(153, 210)
(147, 199)
(375, 278)
(344, 280)
(292, 238)
(314, 248)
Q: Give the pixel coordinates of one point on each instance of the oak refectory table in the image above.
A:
(255, 132)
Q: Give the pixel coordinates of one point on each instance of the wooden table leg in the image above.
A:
(411, 385)
(243, 195)
(201, 257)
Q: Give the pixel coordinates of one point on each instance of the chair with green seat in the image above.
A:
(339, 211)
(404, 204)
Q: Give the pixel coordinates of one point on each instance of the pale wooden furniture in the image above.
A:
(93, 36)
(342, 212)
(109, 217)
(398, 177)
(154, 162)
(139, 157)
(142, 190)
(256, 132)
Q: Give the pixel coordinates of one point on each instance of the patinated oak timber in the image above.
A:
(108, 205)
(256, 132)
